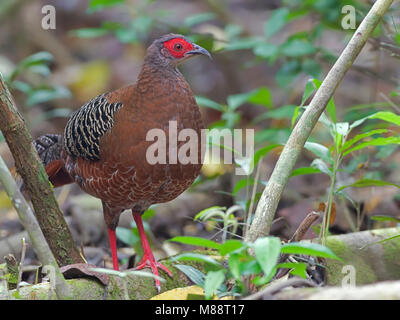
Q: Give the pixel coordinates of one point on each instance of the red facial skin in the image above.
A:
(178, 47)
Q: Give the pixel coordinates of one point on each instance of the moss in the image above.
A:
(391, 251)
(350, 255)
(373, 260)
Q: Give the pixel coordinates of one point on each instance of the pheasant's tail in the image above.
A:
(49, 148)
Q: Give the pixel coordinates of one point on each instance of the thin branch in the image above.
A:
(272, 194)
(253, 196)
(31, 225)
(21, 262)
(30, 168)
(391, 103)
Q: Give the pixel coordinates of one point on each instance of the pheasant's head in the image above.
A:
(173, 49)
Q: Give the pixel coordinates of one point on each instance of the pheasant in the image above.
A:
(103, 147)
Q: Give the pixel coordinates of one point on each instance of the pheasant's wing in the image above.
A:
(87, 125)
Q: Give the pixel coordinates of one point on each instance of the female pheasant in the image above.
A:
(103, 148)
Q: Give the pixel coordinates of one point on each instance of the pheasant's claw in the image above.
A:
(149, 262)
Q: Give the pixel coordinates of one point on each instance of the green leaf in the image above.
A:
(97, 5)
(320, 151)
(266, 50)
(267, 252)
(243, 43)
(260, 153)
(34, 62)
(198, 18)
(196, 241)
(41, 69)
(126, 35)
(258, 96)
(241, 184)
(212, 281)
(387, 116)
(287, 73)
(192, 273)
(272, 135)
(374, 142)
(234, 265)
(22, 86)
(295, 116)
(261, 96)
(295, 48)
(358, 137)
(386, 151)
(230, 246)
(308, 91)
(342, 128)
(142, 24)
(205, 102)
(362, 183)
(326, 122)
(89, 32)
(233, 30)
(331, 107)
(298, 268)
(127, 236)
(311, 67)
(192, 256)
(310, 249)
(284, 112)
(304, 170)
(321, 166)
(41, 57)
(385, 218)
(47, 94)
(276, 21)
(206, 213)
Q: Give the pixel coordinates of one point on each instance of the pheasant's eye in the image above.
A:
(178, 47)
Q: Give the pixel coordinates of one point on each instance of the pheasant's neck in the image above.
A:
(156, 70)
(160, 78)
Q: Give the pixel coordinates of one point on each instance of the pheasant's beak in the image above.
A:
(198, 50)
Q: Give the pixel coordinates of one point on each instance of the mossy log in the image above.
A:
(135, 287)
(387, 290)
(369, 258)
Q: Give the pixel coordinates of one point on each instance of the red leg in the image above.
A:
(113, 246)
(148, 259)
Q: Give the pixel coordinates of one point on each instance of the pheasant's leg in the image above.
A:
(113, 246)
(148, 259)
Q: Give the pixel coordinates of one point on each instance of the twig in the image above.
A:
(305, 226)
(392, 104)
(31, 225)
(253, 195)
(273, 191)
(274, 288)
(21, 262)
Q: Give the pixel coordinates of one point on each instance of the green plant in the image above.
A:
(330, 161)
(262, 266)
(34, 70)
(221, 214)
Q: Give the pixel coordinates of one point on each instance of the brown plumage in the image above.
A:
(104, 146)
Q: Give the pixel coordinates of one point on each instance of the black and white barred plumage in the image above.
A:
(87, 125)
(49, 147)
